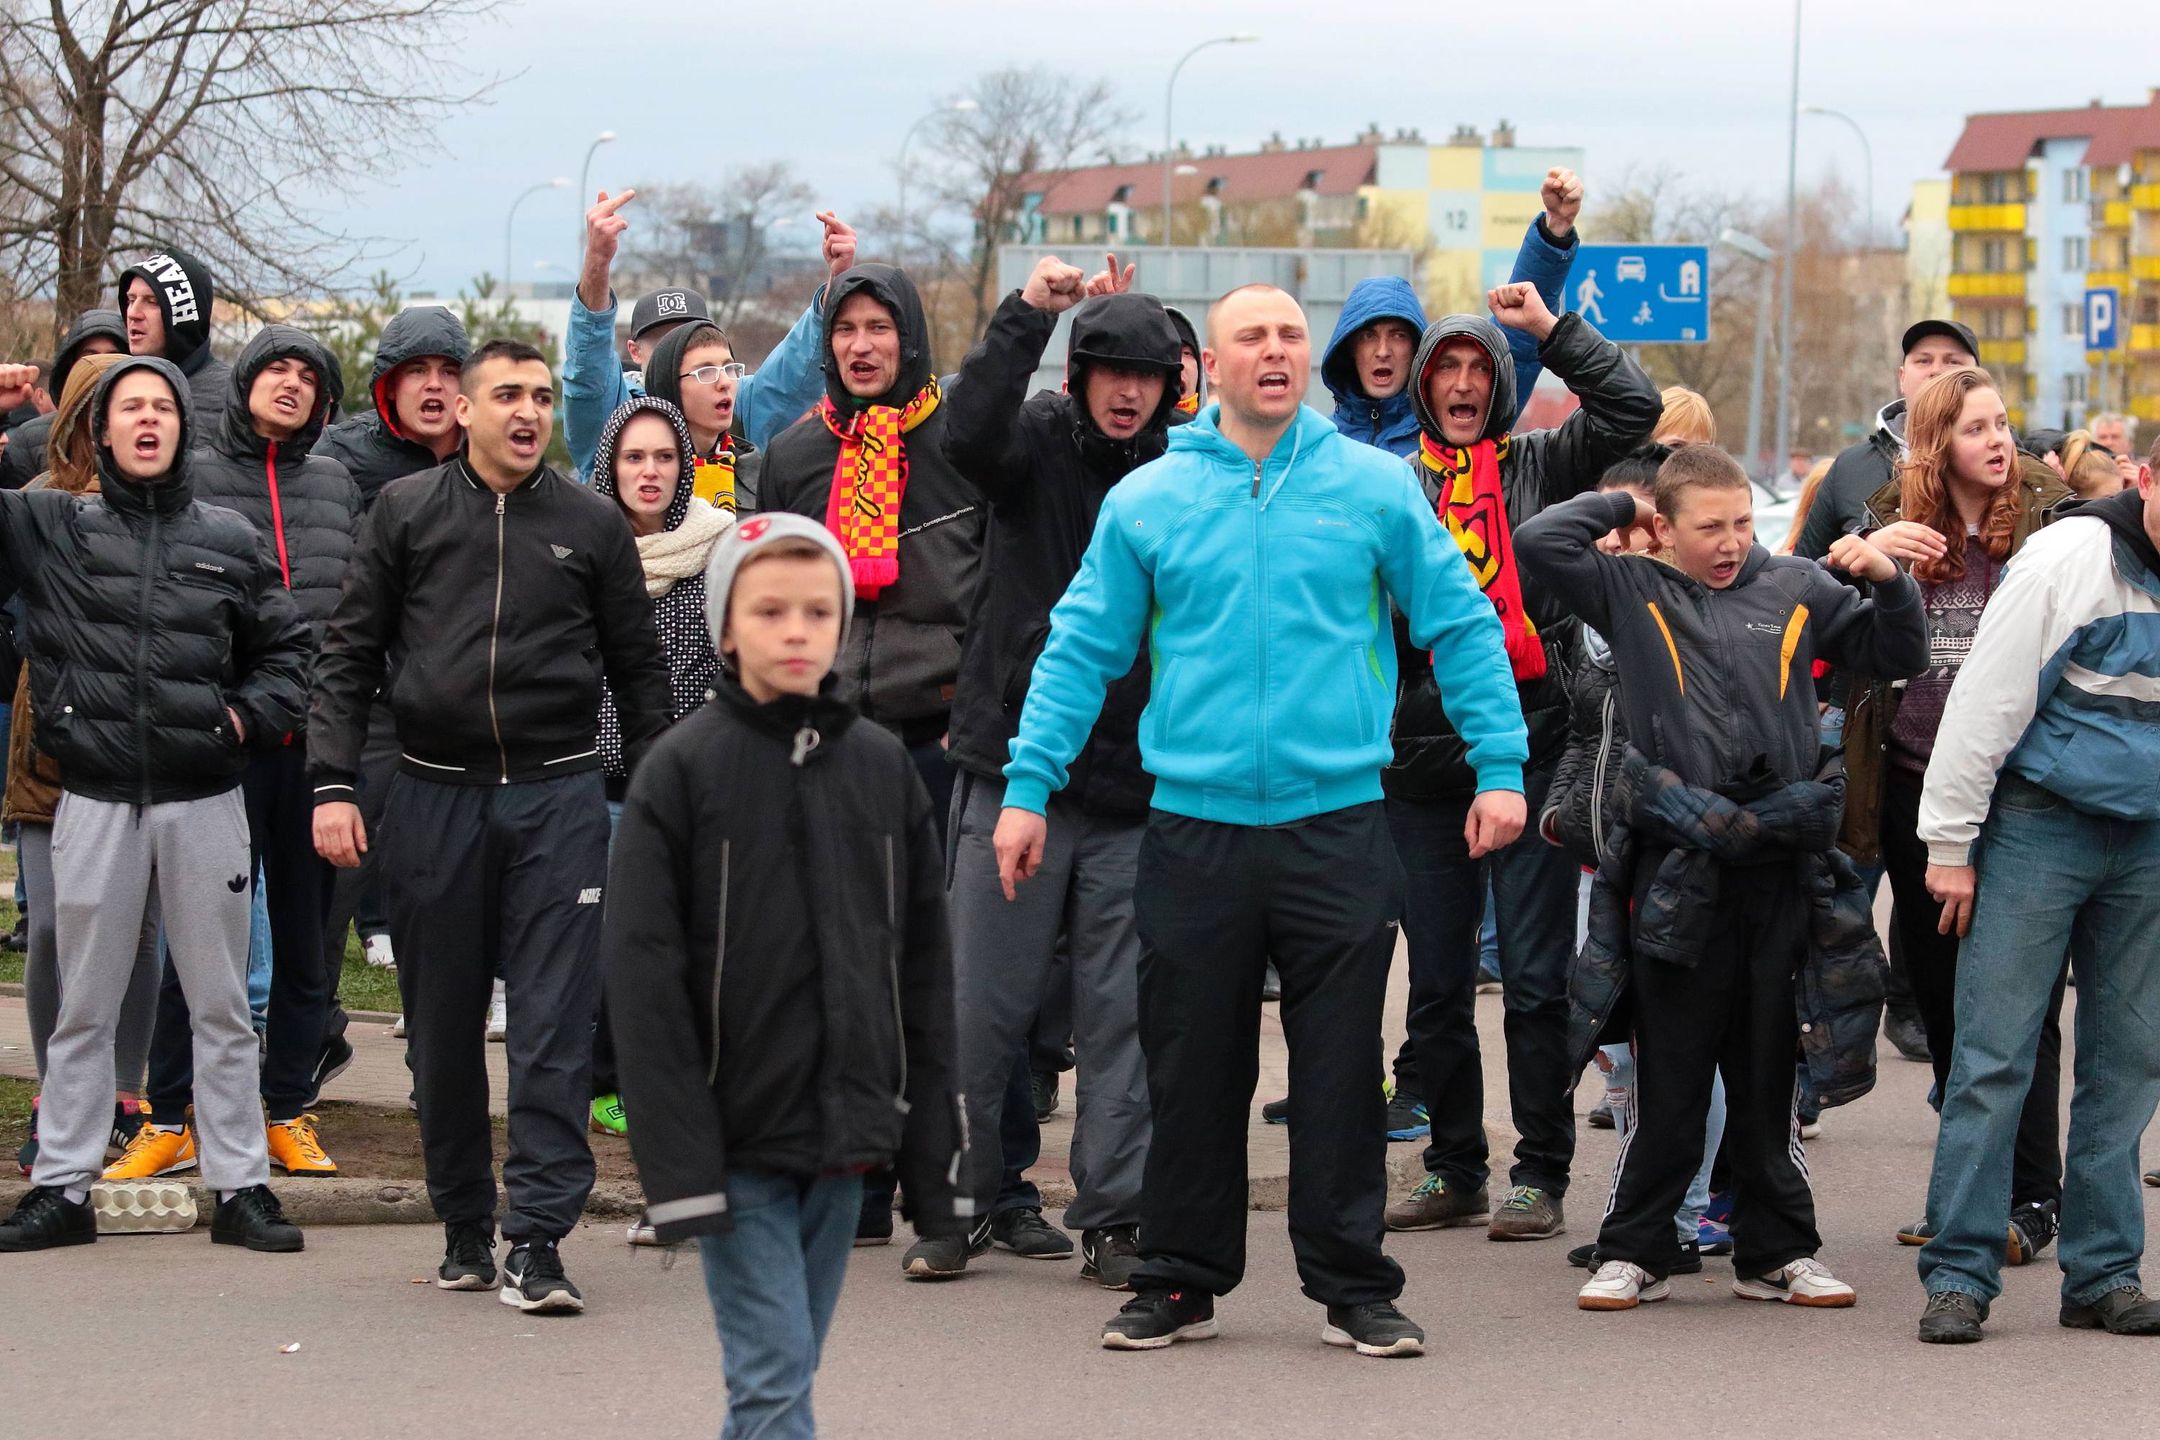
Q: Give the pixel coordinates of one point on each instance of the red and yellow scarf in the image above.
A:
(713, 478)
(1188, 406)
(869, 481)
(1474, 508)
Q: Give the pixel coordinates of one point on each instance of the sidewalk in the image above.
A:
(377, 1077)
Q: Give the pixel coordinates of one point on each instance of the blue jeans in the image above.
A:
(1620, 1091)
(2052, 878)
(774, 1281)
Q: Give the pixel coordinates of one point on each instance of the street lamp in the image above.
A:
(584, 177)
(1867, 158)
(1792, 246)
(560, 182)
(1169, 97)
(1754, 249)
(958, 107)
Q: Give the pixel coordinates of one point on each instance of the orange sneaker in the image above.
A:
(297, 1150)
(154, 1152)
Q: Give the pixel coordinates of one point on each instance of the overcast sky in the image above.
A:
(829, 86)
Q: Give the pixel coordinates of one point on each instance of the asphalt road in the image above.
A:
(170, 1336)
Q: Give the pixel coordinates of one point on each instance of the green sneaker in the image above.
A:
(607, 1116)
(1432, 1206)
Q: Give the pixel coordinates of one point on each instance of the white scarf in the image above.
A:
(672, 555)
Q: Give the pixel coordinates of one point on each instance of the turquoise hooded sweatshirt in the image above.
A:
(1262, 593)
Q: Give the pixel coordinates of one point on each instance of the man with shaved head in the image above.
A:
(1255, 560)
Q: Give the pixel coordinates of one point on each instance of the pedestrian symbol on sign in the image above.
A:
(1586, 298)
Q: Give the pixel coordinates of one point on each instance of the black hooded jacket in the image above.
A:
(24, 458)
(1620, 407)
(1044, 468)
(663, 380)
(778, 967)
(902, 656)
(369, 445)
(148, 614)
(185, 293)
(306, 506)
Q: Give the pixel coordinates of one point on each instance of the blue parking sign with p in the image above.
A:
(2103, 309)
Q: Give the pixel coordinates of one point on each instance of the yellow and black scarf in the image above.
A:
(869, 482)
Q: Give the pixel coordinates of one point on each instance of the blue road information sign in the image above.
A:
(1643, 294)
(2102, 308)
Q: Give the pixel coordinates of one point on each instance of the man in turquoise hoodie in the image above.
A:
(1257, 559)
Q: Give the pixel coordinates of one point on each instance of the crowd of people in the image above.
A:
(835, 742)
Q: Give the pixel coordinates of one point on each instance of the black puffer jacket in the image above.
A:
(369, 445)
(148, 614)
(1582, 805)
(24, 458)
(185, 293)
(1620, 407)
(902, 656)
(303, 504)
(498, 617)
(779, 973)
(1044, 467)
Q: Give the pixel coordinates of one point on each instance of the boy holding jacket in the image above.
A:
(778, 972)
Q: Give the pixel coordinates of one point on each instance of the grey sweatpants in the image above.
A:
(41, 968)
(1002, 950)
(107, 860)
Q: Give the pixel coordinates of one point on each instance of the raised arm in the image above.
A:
(1620, 406)
(592, 378)
(982, 419)
(1546, 256)
(793, 376)
(1559, 547)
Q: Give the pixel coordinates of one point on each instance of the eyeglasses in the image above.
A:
(713, 374)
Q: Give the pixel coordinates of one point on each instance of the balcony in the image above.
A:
(2110, 215)
(1996, 353)
(2145, 407)
(2144, 340)
(2107, 279)
(1988, 285)
(2145, 267)
(2000, 217)
(2144, 197)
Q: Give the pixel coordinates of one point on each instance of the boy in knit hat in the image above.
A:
(775, 829)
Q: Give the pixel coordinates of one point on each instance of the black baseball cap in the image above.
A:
(666, 307)
(1920, 330)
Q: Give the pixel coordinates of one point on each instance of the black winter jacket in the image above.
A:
(902, 655)
(185, 294)
(148, 614)
(1620, 407)
(24, 458)
(369, 445)
(1689, 834)
(1861, 469)
(1044, 468)
(1582, 805)
(497, 616)
(306, 506)
(778, 969)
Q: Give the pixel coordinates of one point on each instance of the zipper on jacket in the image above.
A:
(1597, 780)
(892, 952)
(277, 517)
(152, 561)
(712, 1072)
(1260, 764)
(494, 636)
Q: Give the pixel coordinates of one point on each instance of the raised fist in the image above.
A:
(16, 383)
(1562, 194)
(1055, 286)
(1518, 306)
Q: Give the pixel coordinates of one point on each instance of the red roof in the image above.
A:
(2006, 141)
(1269, 175)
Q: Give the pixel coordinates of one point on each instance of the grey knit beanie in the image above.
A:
(762, 532)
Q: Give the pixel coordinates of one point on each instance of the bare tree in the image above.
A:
(720, 239)
(1026, 122)
(203, 122)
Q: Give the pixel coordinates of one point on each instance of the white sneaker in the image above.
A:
(377, 950)
(1620, 1285)
(644, 1232)
(498, 1015)
(1809, 1129)
(397, 1028)
(1806, 1281)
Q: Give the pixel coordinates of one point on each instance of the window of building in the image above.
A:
(2074, 185)
(2073, 320)
(1994, 188)
(2073, 252)
(1992, 255)
(2074, 388)
(1992, 323)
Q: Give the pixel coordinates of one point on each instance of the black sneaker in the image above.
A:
(1952, 1318)
(944, 1256)
(534, 1282)
(254, 1218)
(1024, 1232)
(2032, 1230)
(468, 1256)
(337, 1054)
(1600, 1116)
(1276, 1112)
(1155, 1319)
(1907, 1036)
(2122, 1311)
(46, 1219)
(1110, 1255)
(1271, 985)
(2152, 1177)
(1407, 1118)
(1585, 1257)
(128, 1118)
(1043, 1090)
(1375, 1328)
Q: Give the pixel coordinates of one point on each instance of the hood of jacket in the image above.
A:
(169, 493)
(1375, 298)
(1203, 436)
(236, 435)
(2124, 513)
(663, 366)
(412, 335)
(1889, 432)
(71, 455)
(1187, 335)
(1500, 412)
(88, 326)
(1129, 332)
(889, 286)
(603, 472)
(184, 293)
